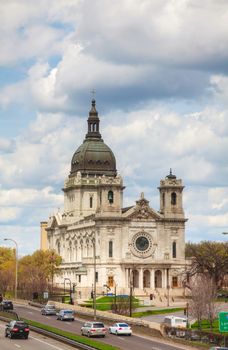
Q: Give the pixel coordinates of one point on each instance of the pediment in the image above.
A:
(142, 210)
(54, 221)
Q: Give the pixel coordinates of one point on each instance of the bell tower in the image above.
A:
(171, 189)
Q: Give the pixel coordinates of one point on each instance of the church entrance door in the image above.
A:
(135, 279)
(146, 279)
(158, 279)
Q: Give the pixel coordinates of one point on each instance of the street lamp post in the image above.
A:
(68, 279)
(16, 263)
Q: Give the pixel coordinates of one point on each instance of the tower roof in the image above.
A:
(171, 175)
(93, 157)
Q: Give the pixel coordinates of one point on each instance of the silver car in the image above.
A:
(65, 315)
(48, 310)
(93, 329)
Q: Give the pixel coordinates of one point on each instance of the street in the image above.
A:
(34, 342)
(134, 342)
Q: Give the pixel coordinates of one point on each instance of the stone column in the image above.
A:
(152, 284)
(126, 278)
(141, 278)
(164, 278)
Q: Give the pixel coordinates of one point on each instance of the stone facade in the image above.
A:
(112, 248)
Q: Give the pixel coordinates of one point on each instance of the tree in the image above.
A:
(7, 269)
(210, 258)
(36, 270)
(122, 305)
(197, 303)
(202, 304)
(210, 297)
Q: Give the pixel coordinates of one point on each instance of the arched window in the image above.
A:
(110, 197)
(173, 198)
(110, 249)
(90, 201)
(174, 250)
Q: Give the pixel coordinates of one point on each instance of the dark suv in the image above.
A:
(16, 329)
(6, 305)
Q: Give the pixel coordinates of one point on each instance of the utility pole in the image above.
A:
(168, 286)
(95, 279)
(115, 297)
(131, 280)
(130, 313)
(187, 306)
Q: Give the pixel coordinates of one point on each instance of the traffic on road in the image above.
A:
(35, 342)
(135, 342)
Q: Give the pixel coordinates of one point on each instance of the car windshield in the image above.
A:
(123, 325)
(98, 325)
(50, 307)
(68, 312)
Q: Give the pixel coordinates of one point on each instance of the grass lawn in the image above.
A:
(79, 338)
(205, 325)
(156, 312)
(105, 303)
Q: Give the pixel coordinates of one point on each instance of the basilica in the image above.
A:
(109, 247)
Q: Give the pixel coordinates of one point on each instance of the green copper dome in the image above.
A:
(93, 157)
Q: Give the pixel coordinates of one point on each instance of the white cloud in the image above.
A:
(9, 214)
(160, 71)
(34, 29)
(175, 32)
(6, 145)
(42, 155)
(26, 197)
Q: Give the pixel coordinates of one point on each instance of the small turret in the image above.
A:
(171, 190)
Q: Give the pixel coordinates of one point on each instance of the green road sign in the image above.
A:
(223, 322)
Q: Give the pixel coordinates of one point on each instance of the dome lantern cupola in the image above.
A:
(93, 157)
(93, 123)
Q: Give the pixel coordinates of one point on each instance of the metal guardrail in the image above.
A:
(52, 335)
(62, 339)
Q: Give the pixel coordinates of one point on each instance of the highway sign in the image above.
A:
(223, 322)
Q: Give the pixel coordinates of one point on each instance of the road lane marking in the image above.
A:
(44, 342)
(17, 345)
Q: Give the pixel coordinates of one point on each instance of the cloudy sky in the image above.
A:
(160, 71)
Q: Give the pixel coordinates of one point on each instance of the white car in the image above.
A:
(120, 328)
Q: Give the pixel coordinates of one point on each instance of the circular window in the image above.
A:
(142, 243)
